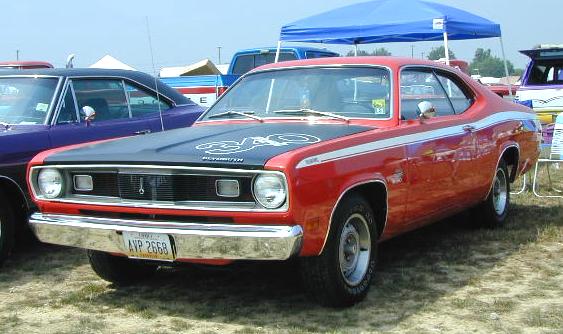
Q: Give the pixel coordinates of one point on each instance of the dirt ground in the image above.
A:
(447, 278)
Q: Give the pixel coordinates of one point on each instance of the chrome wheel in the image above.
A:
(354, 249)
(500, 192)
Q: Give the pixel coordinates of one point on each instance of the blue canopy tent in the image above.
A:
(383, 21)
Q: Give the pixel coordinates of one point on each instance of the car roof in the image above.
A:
(392, 62)
(545, 52)
(26, 63)
(285, 49)
(137, 76)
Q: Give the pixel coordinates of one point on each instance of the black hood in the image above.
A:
(248, 144)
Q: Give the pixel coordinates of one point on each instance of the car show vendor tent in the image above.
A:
(383, 21)
(110, 62)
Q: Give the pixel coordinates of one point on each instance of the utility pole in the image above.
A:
(412, 51)
(18, 54)
(422, 55)
(219, 54)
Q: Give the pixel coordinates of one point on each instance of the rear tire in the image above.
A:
(342, 274)
(493, 211)
(7, 225)
(120, 270)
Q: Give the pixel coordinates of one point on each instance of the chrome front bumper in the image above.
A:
(191, 240)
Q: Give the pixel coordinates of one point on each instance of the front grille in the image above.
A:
(146, 187)
(164, 187)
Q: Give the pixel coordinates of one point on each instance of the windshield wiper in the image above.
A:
(311, 112)
(248, 114)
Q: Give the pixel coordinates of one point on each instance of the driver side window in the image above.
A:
(105, 96)
(419, 85)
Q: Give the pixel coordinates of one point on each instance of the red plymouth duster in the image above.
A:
(318, 159)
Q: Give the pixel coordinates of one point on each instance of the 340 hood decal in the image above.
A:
(250, 143)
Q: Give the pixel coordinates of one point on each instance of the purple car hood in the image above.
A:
(20, 143)
(20, 129)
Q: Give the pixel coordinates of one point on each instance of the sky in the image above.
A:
(183, 32)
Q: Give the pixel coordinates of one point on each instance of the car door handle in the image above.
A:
(468, 128)
(142, 132)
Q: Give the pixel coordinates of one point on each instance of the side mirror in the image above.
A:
(426, 110)
(89, 114)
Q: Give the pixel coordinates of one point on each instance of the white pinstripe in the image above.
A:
(415, 138)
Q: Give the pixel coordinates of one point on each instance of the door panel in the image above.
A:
(431, 178)
(440, 163)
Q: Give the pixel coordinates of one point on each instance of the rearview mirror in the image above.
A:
(426, 110)
(89, 113)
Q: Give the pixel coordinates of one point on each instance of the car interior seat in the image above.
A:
(101, 107)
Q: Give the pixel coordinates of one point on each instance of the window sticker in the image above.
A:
(43, 107)
(378, 106)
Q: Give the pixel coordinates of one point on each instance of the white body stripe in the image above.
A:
(414, 138)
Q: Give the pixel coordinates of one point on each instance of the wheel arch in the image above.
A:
(375, 192)
(511, 155)
(511, 152)
(16, 196)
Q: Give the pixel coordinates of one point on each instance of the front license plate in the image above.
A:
(152, 246)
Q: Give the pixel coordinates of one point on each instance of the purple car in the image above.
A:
(48, 108)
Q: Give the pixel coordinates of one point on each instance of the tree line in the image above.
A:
(483, 63)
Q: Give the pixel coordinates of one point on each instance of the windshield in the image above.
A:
(333, 92)
(546, 72)
(26, 100)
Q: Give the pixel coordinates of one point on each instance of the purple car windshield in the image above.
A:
(26, 100)
(546, 72)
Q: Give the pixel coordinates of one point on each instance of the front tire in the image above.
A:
(342, 274)
(120, 270)
(7, 228)
(494, 210)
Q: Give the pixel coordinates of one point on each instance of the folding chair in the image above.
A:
(524, 185)
(555, 156)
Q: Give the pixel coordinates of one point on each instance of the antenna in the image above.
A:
(154, 74)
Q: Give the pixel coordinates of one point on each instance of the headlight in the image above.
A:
(50, 183)
(269, 191)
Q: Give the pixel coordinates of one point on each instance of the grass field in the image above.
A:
(446, 278)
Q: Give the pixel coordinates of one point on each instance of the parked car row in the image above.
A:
(317, 159)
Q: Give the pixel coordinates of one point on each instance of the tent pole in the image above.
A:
(278, 52)
(446, 50)
(505, 67)
(355, 81)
